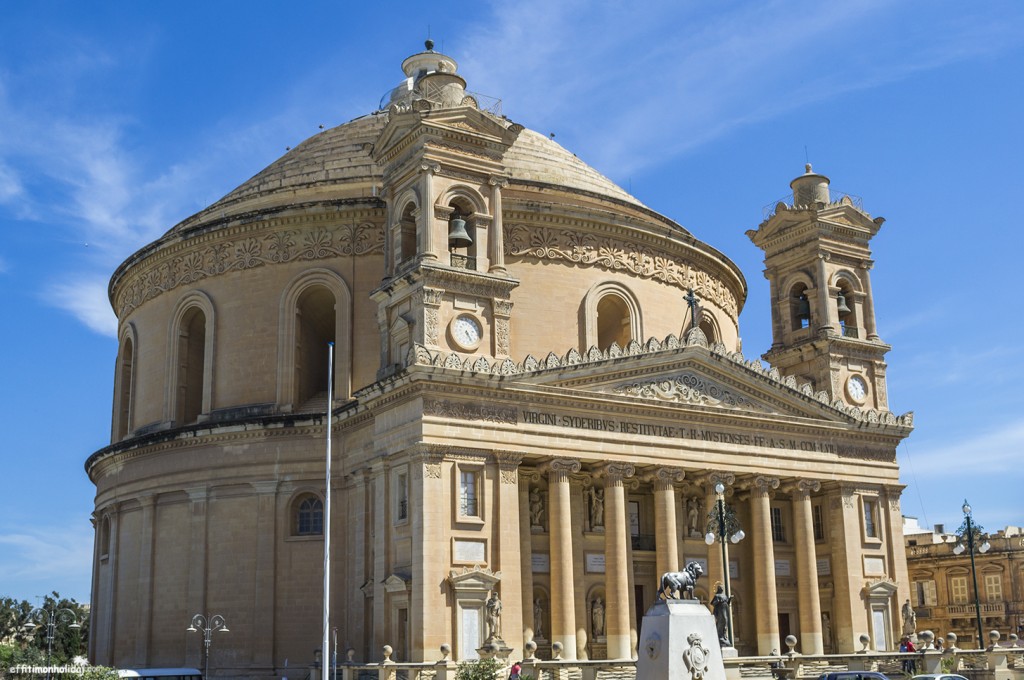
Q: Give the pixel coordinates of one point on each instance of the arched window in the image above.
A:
(407, 234)
(124, 386)
(317, 323)
(799, 307)
(308, 516)
(191, 366)
(463, 255)
(709, 328)
(105, 536)
(613, 322)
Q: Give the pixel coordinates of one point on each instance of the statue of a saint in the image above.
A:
(536, 508)
(597, 617)
(826, 632)
(909, 619)
(693, 517)
(720, 608)
(538, 619)
(596, 507)
(493, 608)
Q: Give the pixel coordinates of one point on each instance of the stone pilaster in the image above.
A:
(430, 554)
(563, 612)
(526, 475)
(378, 473)
(767, 604)
(809, 599)
(427, 239)
(509, 549)
(144, 601)
(263, 605)
(616, 535)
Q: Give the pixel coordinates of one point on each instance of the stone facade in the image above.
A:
(942, 586)
(532, 411)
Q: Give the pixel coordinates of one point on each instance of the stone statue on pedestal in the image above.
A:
(909, 619)
(536, 508)
(720, 608)
(597, 617)
(493, 609)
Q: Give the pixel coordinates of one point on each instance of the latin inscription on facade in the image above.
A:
(595, 563)
(540, 563)
(682, 432)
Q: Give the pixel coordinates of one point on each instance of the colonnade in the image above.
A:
(614, 477)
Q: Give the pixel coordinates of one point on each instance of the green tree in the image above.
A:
(23, 628)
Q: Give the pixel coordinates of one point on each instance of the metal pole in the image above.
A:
(50, 625)
(725, 567)
(207, 634)
(974, 576)
(327, 518)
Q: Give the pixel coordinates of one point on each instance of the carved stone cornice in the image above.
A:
(469, 411)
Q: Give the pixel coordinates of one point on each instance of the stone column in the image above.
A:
(426, 239)
(868, 309)
(809, 600)
(509, 551)
(616, 556)
(563, 613)
(666, 535)
(767, 604)
(263, 605)
(780, 309)
(824, 311)
(381, 539)
(526, 551)
(497, 245)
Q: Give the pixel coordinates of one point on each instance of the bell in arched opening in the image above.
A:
(458, 237)
(841, 303)
(803, 308)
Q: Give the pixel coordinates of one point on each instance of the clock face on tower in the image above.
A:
(466, 332)
(857, 388)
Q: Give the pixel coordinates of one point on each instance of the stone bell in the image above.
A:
(458, 237)
(841, 303)
(803, 307)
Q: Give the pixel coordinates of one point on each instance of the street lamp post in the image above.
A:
(724, 526)
(971, 532)
(207, 626)
(53, 617)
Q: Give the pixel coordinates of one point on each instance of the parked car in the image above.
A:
(852, 675)
(939, 676)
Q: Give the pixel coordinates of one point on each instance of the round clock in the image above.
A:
(466, 331)
(857, 388)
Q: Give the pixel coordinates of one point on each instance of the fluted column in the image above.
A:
(666, 535)
(825, 316)
(497, 246)
(808, 599)
(766, 604)
(868, 309)
(426, 240)
(563, 613)
(616, 560)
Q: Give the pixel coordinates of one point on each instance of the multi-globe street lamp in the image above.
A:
(970, 532)
(53, 617)
(724, 526)
(207, 626)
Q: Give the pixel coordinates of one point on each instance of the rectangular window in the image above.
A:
(634, 518)
(958, 589)
(778, 530)
(993, 588)
(402, 497)
(818, 523)
(931, 597)
(468, 505)
(924, 593)
(870, 518)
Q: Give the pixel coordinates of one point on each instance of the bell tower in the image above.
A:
(445, 284)
(817, 261)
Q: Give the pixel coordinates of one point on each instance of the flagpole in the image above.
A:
(325, 648)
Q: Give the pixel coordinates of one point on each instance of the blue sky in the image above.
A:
(117, 120)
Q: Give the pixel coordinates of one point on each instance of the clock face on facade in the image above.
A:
(857, 388)
(466, 331)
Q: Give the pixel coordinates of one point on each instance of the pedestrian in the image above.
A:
(514, 673)
(909, 665)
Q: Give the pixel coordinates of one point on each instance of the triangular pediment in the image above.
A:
(462, 127)
(473, 578)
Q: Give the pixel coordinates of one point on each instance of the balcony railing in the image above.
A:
(989, 608)
(851, 332)
(463, 262)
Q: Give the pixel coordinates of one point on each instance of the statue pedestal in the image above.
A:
(679, 641)
(495, 648)
(599, 648)
(543, 648)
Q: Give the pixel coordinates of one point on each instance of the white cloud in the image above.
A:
(86, 299)
(598, 71)
(45, 557)
(985, 455)
(10, 184)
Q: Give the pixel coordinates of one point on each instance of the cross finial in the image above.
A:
(693, 302)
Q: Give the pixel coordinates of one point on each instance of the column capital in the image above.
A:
(709, 479)
(430, 168)
(508, 465)
(498, 181)
(762, 485)
(664, 477)
(802, 488)
(615, 473)
(561, 468)
(529, 474)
